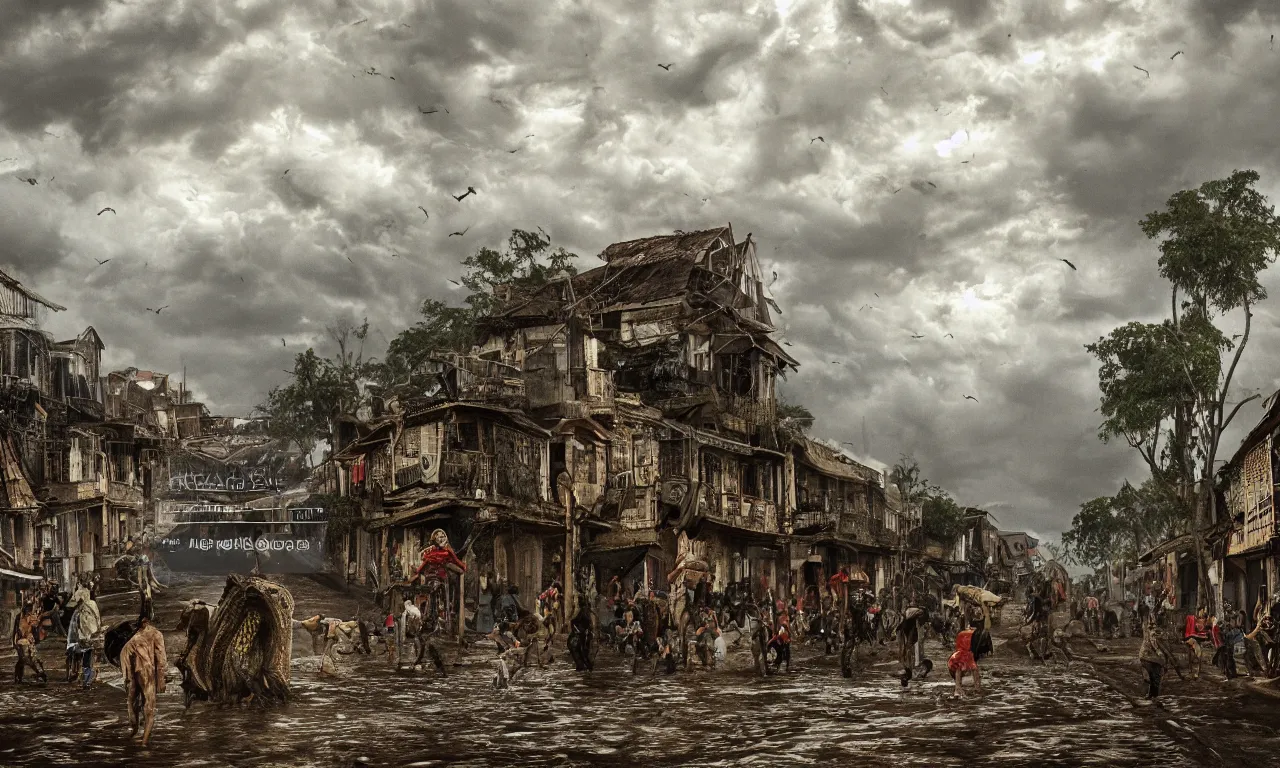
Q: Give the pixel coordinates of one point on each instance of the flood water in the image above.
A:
(367, 714)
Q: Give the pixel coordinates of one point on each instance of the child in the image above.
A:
(962, 661)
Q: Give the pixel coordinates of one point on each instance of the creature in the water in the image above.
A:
(245, 653)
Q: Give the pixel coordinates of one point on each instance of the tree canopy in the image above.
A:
(301, 412)
(794, 417)
(1125, 525)
(940, 516)
(528, 262)
(1169, 381)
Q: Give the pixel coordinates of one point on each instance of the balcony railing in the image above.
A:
(746, 512)
(67, 492)
(468, 471)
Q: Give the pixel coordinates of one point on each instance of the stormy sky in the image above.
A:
(967, 146)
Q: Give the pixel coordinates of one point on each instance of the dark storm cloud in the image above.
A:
(184, 118)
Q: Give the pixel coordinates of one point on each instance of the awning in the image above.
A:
(1177, 544)
(830, 465)
(20, 576)
(615, 562)
(408, 515)
(741, 344)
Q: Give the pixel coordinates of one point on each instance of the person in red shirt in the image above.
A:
(962, 661)
(439, 558)
(781, 642)
(1194, 632)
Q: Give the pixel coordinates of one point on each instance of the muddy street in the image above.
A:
(367, 714)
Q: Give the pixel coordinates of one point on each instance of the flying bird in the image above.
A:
(470, 191)
(930, 183)
(971, 397)
(1174, 56)
(429, 111)
(455, 282)
(886, 93)
(896, 191)
(424, 212)
(1069, 264)
(948, 336)
(513, 151)
(32, 182)
(818, 138)
(157, 311)
(1140, 69)
(873, 293)
(787, 343)
(104, 210)
(865, 306)
(286, 172)
(101, 261)
(282, 343)
(917, 336)
(358, 23)
(373, 71)
(667, 67)
(459, 234)
(835, 362)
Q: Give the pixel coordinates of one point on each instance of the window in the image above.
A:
(468, 436)
(589, 456)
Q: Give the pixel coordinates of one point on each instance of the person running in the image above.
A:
(1154, 656)
(962, 662)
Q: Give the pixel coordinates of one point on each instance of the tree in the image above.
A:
(302, 412)
(527, 264)
(905, 476)
(1123, 526)
(940, 516)
(1171, 380)
(793, 417)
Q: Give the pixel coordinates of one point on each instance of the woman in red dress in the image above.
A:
(962, 661)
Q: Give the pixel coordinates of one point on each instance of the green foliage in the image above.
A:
(1170, 379)
(905, 476)
(940, 515)
(527, 263)
(1149, 369)
(323, 388)
(1125, 525)
(1221, 237)
(794, 417)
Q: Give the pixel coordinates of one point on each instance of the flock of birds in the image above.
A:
(471, 190)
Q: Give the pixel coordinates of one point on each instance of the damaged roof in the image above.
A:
(637, 272)
(687, 245)
(14, 285)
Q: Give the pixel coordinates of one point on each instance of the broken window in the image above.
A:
(465, 437)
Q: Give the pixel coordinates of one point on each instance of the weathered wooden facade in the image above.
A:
(1247, 540)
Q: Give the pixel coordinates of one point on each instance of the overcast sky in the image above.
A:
(967, 146)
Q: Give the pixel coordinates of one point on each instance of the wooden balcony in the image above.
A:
(747, 513)
(124, 494)
(81, 491)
